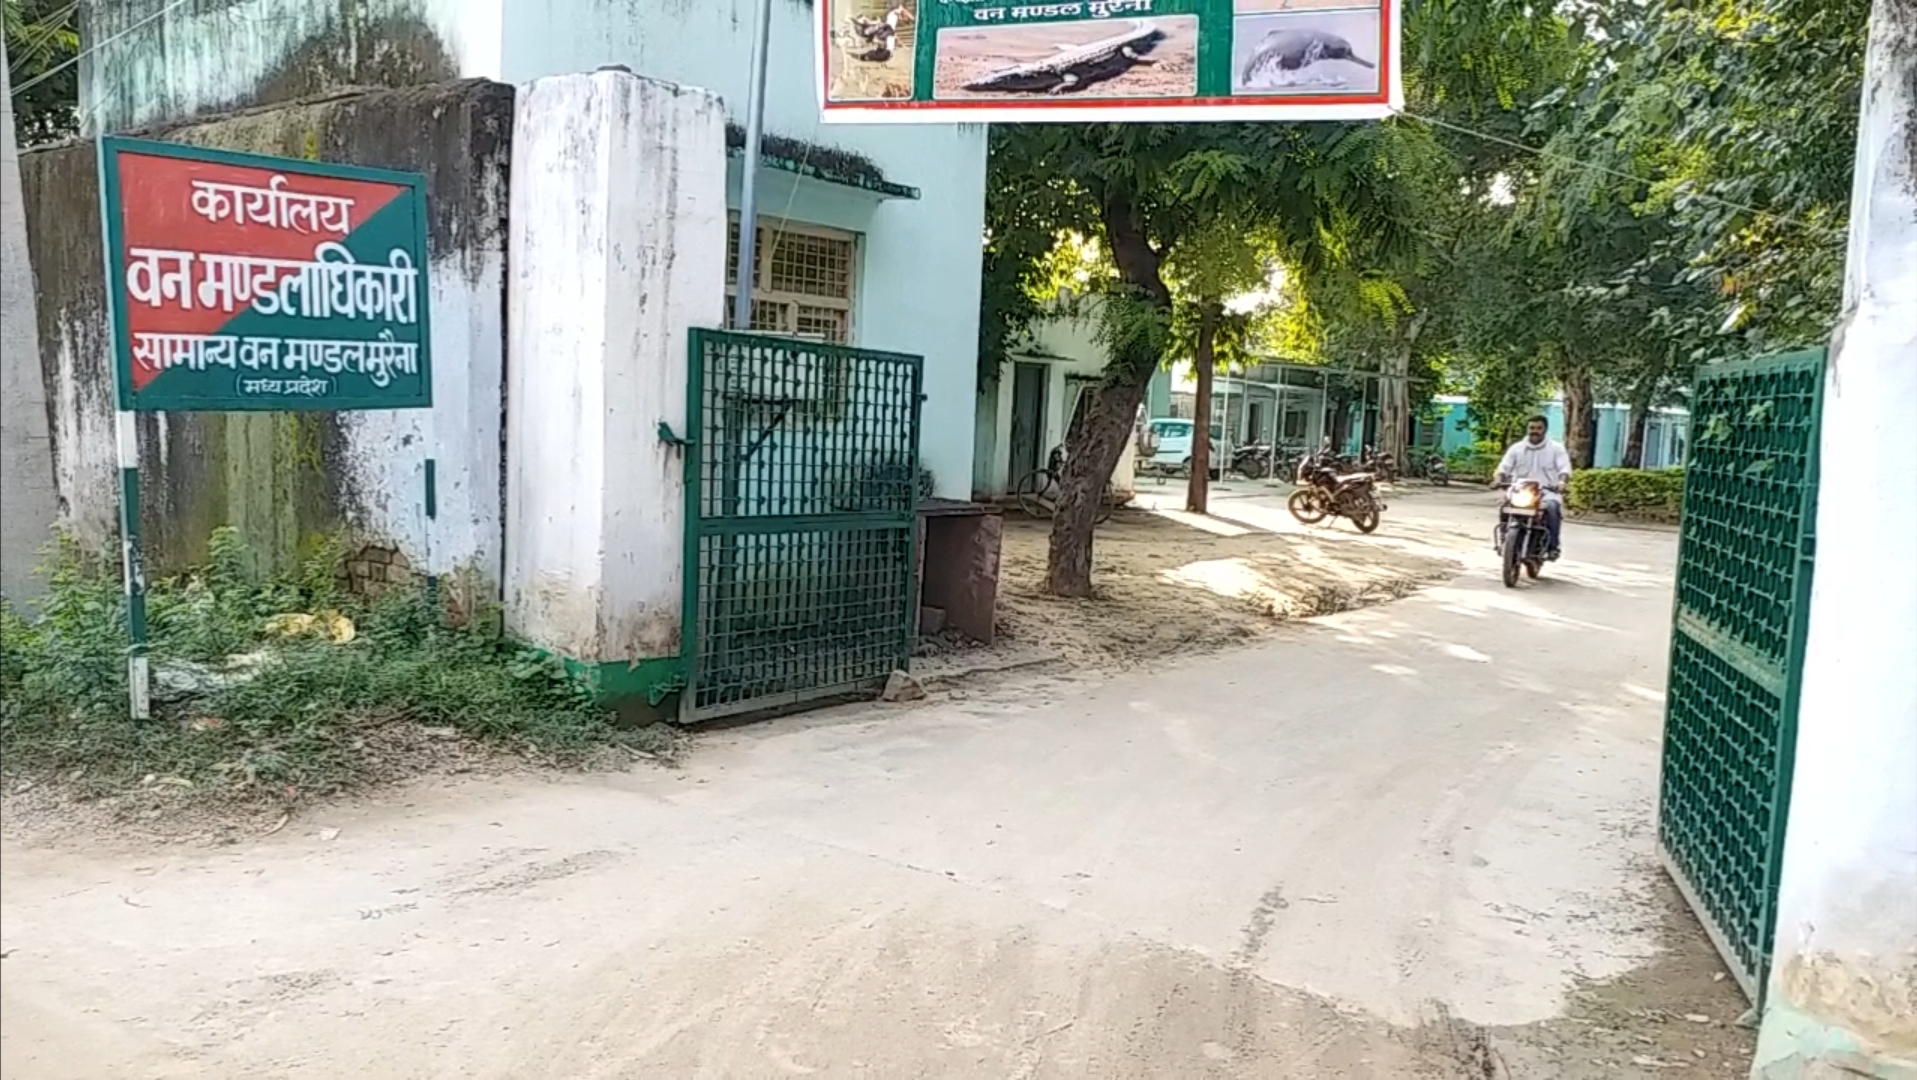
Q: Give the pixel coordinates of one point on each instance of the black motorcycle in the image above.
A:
(1252, 462)
(1437, 471)
(1324, 492)
(1522, 541)
(1323, 458)
(1382, 465)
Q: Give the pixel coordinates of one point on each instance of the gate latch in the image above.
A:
(667, 436)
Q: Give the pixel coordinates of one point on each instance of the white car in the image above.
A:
(1170, 439)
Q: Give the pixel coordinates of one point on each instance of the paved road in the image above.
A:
(1333, 854)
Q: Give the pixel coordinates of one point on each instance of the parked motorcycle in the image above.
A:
(1383, 466)
(1322, 458)
(1437, 471)
(1252, 462)
(1327, 492)
(1522, 542)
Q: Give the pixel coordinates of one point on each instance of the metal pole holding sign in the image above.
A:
(133, 569)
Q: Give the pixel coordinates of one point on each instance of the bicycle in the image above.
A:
(1038, 492)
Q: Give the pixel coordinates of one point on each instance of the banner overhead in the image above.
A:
(993, 61)
(240, 282)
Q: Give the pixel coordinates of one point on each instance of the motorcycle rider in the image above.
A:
(1536, 457)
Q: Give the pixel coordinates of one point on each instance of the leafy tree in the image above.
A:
(1742, 114)
(41, 36)
(1220, 260)
(1149, 190)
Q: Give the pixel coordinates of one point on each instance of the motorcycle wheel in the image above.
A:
(1367, 520)
(1305, 505)
(1513, 559)
(1533, 568)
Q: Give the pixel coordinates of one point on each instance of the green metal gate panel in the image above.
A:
(1737, 646)
(801, 508)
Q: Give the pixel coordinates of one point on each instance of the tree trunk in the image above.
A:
(1579, 420)
(1198, 488)
(1394, 393)
(1091, 456)
(1338, 419)
(1640, 420)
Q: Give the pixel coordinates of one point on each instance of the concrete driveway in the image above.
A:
(1413, 841)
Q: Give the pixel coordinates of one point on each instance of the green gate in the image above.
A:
(801, 472)
(1737, 646)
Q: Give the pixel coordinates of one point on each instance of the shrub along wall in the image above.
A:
(1639, 494)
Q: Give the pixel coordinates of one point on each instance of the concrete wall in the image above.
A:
(920, 259)
(1843, 986)
(618, 250)
(152, 61)
(282, 479)
(919, 268)
(29, 502)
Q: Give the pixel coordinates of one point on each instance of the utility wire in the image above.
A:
(49, 73)
(1621, 174)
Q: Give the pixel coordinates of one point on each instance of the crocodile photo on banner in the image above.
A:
(991, 61)
(244, 282)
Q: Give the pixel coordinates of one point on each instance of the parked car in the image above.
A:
(1170, 439)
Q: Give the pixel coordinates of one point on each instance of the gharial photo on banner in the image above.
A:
(980, 61)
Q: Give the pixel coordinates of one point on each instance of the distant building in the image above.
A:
(1447, 425)
(1028, 407)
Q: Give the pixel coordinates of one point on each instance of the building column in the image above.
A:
(29, 500)
(618, 250)
(1843, 990)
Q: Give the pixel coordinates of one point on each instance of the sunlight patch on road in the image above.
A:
(1199, 521)
(1644, 692)
(1466, 652)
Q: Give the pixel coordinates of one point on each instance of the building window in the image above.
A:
(803, 282)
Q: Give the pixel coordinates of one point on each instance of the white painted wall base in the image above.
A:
(1843, 989)
(618, 250)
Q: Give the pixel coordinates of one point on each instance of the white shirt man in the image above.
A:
(1537, 457)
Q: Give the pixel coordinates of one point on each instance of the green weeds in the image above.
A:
(242, 711)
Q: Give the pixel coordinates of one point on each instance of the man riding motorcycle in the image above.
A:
(1538, 458)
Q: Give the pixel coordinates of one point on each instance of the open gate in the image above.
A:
(802, 485)
(1737, 646)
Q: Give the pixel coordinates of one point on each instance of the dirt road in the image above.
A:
(1412, 841)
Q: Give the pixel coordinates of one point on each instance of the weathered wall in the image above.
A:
(156, 61)
(918, 287)
(618, 250)
(28, 502)
(284, 479)
(1843, 991)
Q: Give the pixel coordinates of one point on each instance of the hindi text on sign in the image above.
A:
(330, 284)
(272, 206)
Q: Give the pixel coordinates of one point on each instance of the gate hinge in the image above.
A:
(667, 436)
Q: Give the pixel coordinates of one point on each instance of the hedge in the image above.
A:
(1647, 494)
(1476, 462)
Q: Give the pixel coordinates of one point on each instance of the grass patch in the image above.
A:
(243, 708)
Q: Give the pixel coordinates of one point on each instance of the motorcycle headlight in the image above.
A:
(1525, 498)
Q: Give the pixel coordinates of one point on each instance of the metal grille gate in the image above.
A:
(801, 503)
(1737, 646)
